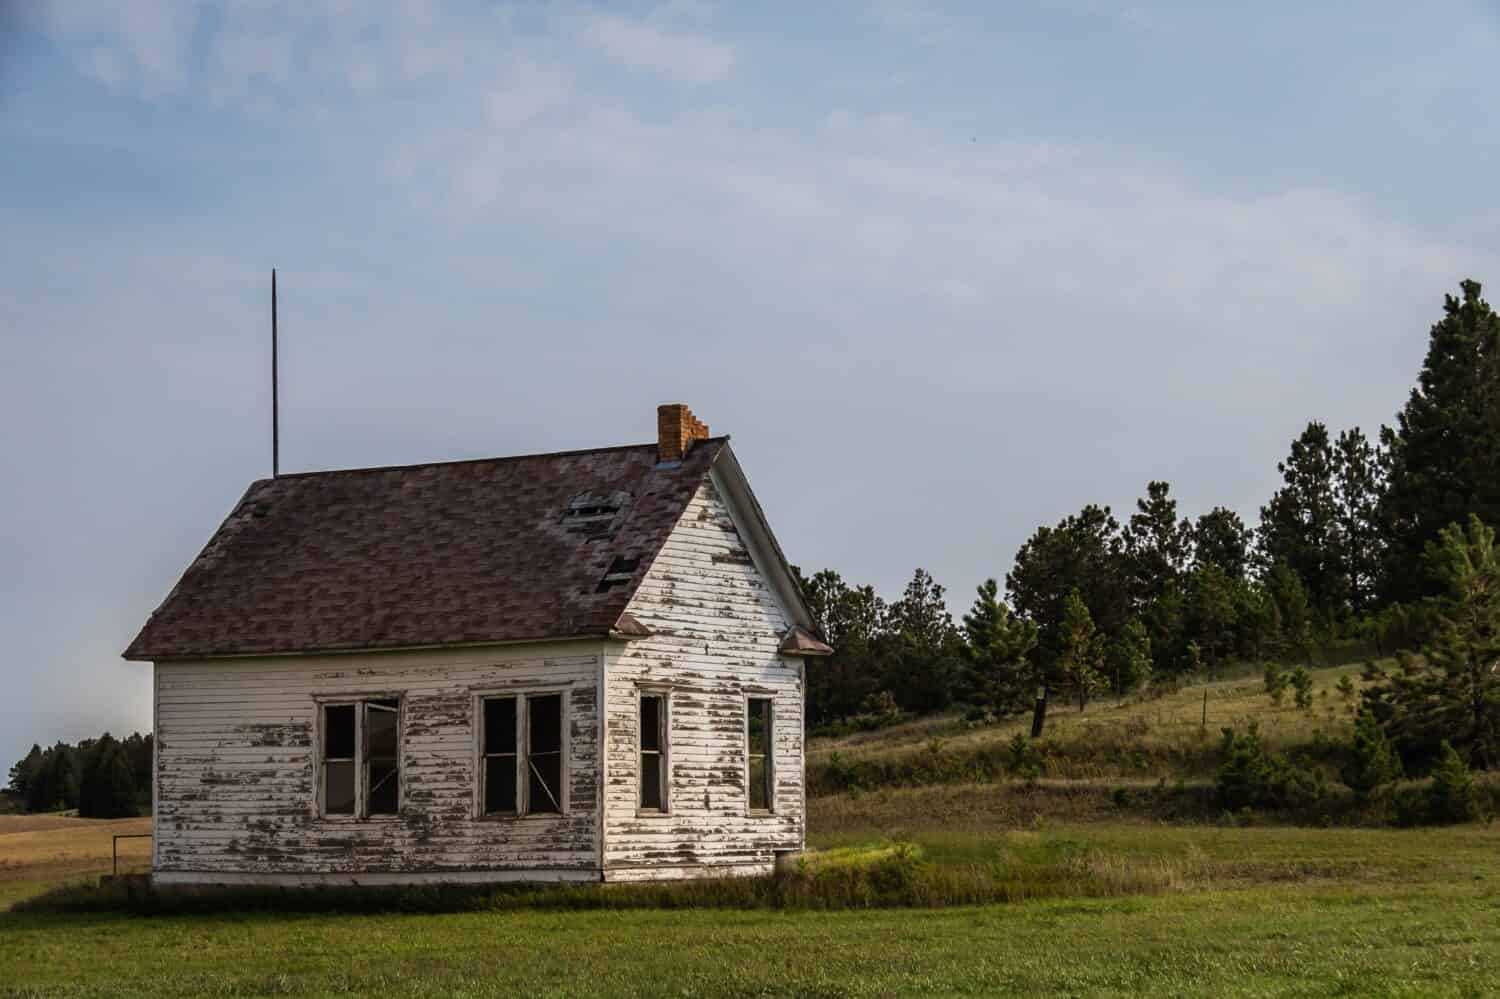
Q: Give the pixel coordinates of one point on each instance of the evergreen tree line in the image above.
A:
(1351, 545)
(104, 778)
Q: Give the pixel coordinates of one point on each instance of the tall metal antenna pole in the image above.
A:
(275, 400)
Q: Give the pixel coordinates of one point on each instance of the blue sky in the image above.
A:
(945, 271)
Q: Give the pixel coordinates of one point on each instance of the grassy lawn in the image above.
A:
(1179, 910)
(1421, 939)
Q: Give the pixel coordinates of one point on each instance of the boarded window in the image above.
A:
(338, 759)
(500, 747)
(653, 760)
(382, 764)
(758, 753)
(544, 791)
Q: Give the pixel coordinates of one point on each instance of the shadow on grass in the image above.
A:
(890, 875)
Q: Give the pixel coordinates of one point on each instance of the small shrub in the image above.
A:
(1024, 759)
(1250, 777)
(1346, 687)
(1371, 761)
(1275, 681)
(1451, 795)
(1302, 684)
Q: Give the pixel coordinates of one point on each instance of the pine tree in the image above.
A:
(1358, 484)
(1128, 659)
(105, 788)
(1291, 618)
(1302, 685)
(57, 785)
(1371, 761)
(26, 771)
(1080, 659)
(1299, 526)
(1083, 552)
(1452, 692)
(1221, 538)
(922, 659)
(1157, 546)
(1450, 795)
(998, 678)
(1211, 612)
(852, 619)
(1443, 456)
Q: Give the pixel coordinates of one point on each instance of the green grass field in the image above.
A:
(1104, 901)
(1174, 911)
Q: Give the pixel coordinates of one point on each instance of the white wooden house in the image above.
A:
(581, 666)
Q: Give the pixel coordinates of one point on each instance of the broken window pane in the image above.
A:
(338, 732)
(382, 777)
(499, 755)
(380, 731)
(385, 789)
(758, 732)
(544, 753)
(651, 796)
(338, 787)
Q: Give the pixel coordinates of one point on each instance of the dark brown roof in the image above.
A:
(507, 549)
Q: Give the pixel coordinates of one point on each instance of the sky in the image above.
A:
(945, 272)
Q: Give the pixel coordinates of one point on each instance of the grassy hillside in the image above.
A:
(1172, 737)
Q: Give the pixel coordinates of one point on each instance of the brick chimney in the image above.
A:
(676, 429)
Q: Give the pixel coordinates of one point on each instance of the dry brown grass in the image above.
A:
(51, 847)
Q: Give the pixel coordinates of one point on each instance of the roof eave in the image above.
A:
(798, 641)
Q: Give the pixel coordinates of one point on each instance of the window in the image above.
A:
(544, 754)
(338, 759)
(653, 772)
(758, 753)
(362, 758)
(500, 747)
(382, 771)
(521, 763)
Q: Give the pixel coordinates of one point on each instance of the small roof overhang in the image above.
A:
(798, 641)
(626, 626)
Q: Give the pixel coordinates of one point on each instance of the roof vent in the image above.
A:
(621, 571)
(593, 516)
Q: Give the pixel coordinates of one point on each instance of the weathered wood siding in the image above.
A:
(236, 784)
(718, 627)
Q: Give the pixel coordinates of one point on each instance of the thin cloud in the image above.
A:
(646, 47)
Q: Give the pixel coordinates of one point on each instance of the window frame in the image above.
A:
(769, 756)
(361, 759)
(522, 697)
(663, 751)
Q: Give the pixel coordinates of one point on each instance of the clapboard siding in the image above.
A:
(236, 768)
(717, 628)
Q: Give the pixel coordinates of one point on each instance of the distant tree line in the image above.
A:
(103, 778)
(1365, 539)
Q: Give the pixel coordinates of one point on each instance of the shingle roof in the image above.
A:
(507, 549)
